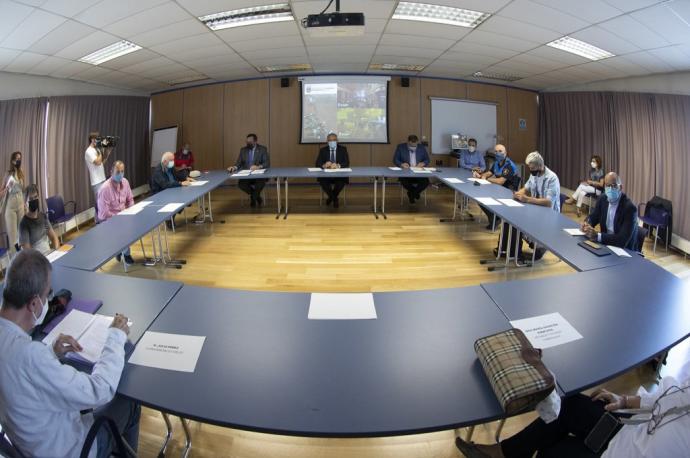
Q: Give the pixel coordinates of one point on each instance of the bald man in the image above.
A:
(616, 216)
(504, 172)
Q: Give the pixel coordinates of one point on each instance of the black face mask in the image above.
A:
(250, 145)
(18, 163)
(33, 205)
(534, 173)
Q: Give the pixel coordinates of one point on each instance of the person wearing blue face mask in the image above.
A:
(164, 177)
(46, 407)
(616, 216)
(333, 156)
(504, 173)
(114, 196)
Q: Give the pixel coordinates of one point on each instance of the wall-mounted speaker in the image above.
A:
(405, 81)
(285, 82)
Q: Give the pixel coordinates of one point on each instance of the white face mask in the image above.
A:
(332, 144)
(185, 151)
(593, 164)
(471, 149)
(44, 312)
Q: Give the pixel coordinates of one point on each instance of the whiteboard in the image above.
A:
(164, 140)
(453, 116)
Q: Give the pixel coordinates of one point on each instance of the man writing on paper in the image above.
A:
(412, 154)
(615, 214)
(163, 178)
(333, 156)
(114, 196)
(504, 173)
(252, 157)
(42, 400)
(471, 159)
(35, 230)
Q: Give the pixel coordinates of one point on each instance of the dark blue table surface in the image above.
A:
(266, 367)
(626, 314)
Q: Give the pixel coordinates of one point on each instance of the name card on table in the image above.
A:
(545, 331)
(173, 352)
(342, 306)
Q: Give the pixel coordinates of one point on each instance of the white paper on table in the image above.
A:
(338, 170)
(169, 208)
(314, 169)
(574, 231)
(490, 201)
(454, 180)
(619, 251)
(198, 183)
(257, 171)
(55, 255)
(136, 208)
(241, 173)
(510, 202)
(430, 169)
(342, 306)
(72, 325)
(546, 331)
(173, 352)
(414, 170)
(480, 180)
(395, 168)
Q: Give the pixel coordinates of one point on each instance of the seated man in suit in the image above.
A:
(616, 216)
(163, 177)
(412, 154)
(252, 157)
(333, 156)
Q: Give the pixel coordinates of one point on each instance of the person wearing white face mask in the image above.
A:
(593, 185)
(616, 216)
(471, 159)
(333, 156)
(412, 154)
(41, 399)
(164, 177)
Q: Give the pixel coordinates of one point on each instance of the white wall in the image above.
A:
(664, 83)
(22, 86)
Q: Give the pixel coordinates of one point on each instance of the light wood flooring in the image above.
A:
(346, 250)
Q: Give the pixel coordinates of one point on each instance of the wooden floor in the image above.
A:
(345, 250)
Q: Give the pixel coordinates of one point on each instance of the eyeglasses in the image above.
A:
(612, 186)
(657, 420)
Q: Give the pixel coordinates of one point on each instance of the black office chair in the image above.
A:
(8, 450)
(122, 448)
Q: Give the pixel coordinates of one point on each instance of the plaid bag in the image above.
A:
(515, 370)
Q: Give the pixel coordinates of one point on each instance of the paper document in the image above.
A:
(480, 180)
(91, 331)
(173, 352)
(619, 251)
(574, 231)
(342, 306)
(338, 170)
(60, 252)
(454, 180)
(198, 183)
(136, 208)
(545, 331)
(257, 171)
(510, 202)
(488, 201)
(243, 173)
(170, 207)
(419, 170)
(430, 169)
(314, 169)
(395, 168)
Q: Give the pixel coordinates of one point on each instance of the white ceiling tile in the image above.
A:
(35, 26)
(538, 64)
(366, 39)
(671, 21)
(636, 33)
(71, 69)
(151, 19)
(402, 60)
(60, 37)
(49, 65)
(277, 61)
(250, 32)
(426, 29)
(345, 49)
(623, 64)
(183, 44)
(148, 65)
(107, 12)
(600, 68)
(12, 15)
(36, 3)
(340, 68)
(407, 51)
(212, 61)
(24, 62)
(390, 39)
(68, 8)
(476, 48)
(632, 5)
(7, 56)
(652, 63)
(675, 56)
(267, 43)
(592, 11)
(500, 41)
(176, 31)
(343, 59)
(605, 40)
(513, 69)
(542, 16)
(132, 58)
(469, 58)
(87, 45)
(297, 52)
(517, 29)
(220, 52)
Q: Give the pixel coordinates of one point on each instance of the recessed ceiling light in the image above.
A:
(110, 52)
(497, 76)
(248, 16)
(575, 46)
(440, 14)
(188, 79)
(397, 67)
(283, 68)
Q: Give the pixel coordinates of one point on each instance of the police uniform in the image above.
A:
(509, 171)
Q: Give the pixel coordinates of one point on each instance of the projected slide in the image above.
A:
(354, 109)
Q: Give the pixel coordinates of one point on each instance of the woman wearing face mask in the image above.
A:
(12, 195)
(593, 185)
(35, 230)
(184, 162)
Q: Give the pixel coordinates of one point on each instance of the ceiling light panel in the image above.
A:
(575, 46)
(277, 12)
(440, 14)
(111, 52)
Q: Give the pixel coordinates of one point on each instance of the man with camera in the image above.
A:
(95, 156)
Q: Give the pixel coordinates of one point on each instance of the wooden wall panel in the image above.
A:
(245, 110)
(284, 127)
(522, 104)
(167, 109)
(202, 125)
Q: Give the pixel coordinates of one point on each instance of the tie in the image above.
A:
(251, 157)
(333, 155)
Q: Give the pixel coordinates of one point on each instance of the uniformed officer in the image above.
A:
(504, 172)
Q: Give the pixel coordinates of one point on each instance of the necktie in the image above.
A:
(332, 155)
(251, 157)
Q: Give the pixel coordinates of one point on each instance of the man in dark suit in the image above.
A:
(252, 157)
(412, 154)
(163, 177)
(616, 216)
(333, 156)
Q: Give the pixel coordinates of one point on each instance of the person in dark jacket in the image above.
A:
(616, 216)
(333, 156)
(163, 177)
(412, 154)
(252, 157)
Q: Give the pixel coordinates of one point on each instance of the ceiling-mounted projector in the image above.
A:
(334, 24)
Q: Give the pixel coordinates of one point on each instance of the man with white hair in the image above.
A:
(164, 176)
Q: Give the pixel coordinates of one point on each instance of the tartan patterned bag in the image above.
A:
(515, 370)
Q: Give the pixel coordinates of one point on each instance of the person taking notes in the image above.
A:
(412, 154)
(333, 156)
(252, 157)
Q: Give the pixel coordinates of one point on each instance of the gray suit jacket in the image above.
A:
(261, 158)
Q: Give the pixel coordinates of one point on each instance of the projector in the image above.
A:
(334, 24)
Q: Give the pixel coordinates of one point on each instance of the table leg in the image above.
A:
(210, 208)
(383, 199)
(278, 199)
(187, 438)
(286, 199)
(168, 435)
(455, 209)
(376, 186)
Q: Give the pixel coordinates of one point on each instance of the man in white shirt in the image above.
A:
(94, 163)
(42, 400)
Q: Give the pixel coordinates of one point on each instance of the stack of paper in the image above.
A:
(257, 171)
(488, 201)
(136, 208)
(510, 203)
(170, 207)
(241, 173)
(430, 169)
(574, 231)
(418, 170)
(454, 180)
(60, 252)
(480, 180)
(198, 183)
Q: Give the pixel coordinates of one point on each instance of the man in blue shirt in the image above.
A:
(504, 172)
(471, 159)
(412, 154)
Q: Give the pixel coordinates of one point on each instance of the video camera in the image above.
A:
(107, 141)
